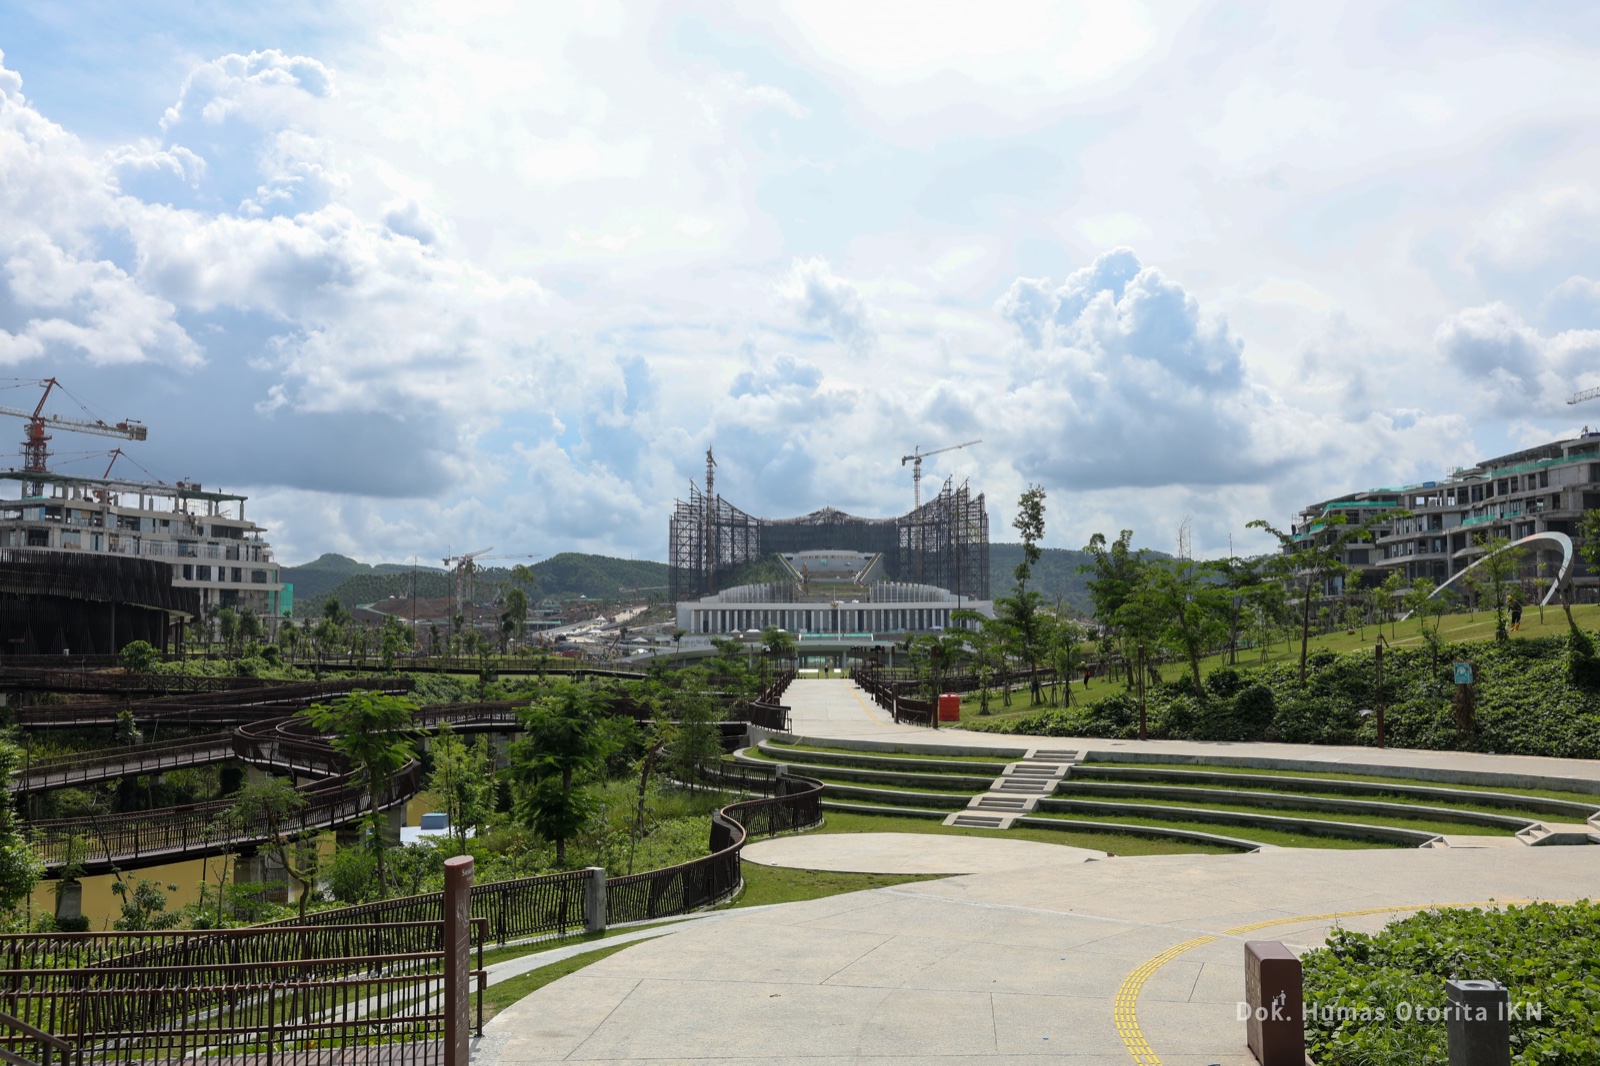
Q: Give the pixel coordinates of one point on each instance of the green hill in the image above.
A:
(1056, 576)
(569, 575)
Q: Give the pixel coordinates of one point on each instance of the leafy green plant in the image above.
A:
(1363, 992)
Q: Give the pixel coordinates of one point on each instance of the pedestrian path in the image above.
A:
(1075, 963)
(910, 853)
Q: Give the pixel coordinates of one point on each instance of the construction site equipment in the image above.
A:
(915, 459)
(35, 448)
(466, 567)
(1580, 397)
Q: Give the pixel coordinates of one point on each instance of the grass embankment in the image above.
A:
(1453, 628)
(1532, 695)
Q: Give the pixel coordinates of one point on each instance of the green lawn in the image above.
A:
(497, 998)
(1121, 844)
(764, 885)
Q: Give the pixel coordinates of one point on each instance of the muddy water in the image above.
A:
(101, 906)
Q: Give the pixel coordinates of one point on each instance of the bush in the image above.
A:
(352, 875)
(1545, 954)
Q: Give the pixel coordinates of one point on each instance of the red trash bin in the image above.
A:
(949, 707)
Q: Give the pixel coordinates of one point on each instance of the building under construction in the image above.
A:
(942, 544)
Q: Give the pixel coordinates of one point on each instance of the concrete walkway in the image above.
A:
(1020, 966)
(837, 710)
(910, 853)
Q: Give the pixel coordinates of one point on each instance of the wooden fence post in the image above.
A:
(457, 960)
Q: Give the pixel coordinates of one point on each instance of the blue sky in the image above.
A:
(423, 277)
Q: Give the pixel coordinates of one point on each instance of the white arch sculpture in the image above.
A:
(1560, 540)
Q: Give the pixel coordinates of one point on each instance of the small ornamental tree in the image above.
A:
(464, 778)
(1310, 559)
(139, 658)
(272, 806)
(375, 733)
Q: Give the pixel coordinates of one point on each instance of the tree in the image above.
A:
(517, 610)
(1310, 559)
(393, 640)
(562, 741)
(695, 737)
(1493, 573)
(1192, 609)
(777, 644)
(464, 778)
(981, 636)
(1393, 587)
(228, 631)
(20, 868)
(375, 733)
(1063, 651)
(139, 658)
(270, 805)
(1021, 610)
(1118, 572)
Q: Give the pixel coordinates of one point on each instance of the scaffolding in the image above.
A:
(943, 543)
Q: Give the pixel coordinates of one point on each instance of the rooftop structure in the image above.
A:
(202, 535)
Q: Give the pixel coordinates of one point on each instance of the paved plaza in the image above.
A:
(1022, 963)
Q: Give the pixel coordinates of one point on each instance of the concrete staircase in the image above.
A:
(1018, 789)
(1537, 835)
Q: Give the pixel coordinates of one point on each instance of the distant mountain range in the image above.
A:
(574, 574)
(569, 575)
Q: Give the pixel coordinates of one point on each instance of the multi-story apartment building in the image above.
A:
(203, 535)
(1361, 557)
(1537, 490)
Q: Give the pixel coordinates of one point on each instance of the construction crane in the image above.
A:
(35, 450)
(467, 565)
(1580, 397)
(915, 459)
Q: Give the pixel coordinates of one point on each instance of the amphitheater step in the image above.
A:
(974, 820)
(1054, 755)
(992, 802)
(1546, 834)
(1455, 841)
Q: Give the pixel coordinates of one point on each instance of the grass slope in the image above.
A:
(1527, 700)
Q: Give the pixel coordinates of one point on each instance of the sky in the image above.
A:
(426, 278)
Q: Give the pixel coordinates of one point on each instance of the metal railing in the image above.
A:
(291, 994)
(556, 904)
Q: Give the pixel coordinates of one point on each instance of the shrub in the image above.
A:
(1544, 954)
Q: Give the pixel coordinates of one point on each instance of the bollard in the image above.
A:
(594, 900)
(457, 960)
(1478, 1023)
(1274, 1029)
